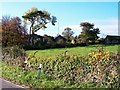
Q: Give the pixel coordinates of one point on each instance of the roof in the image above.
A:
(37, 36)
(59, 37)
(112, 37)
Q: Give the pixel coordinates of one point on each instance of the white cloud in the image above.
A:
(109, 29)
(75, 28)
(106, 26)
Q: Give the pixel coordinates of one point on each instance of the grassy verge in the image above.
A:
(18, 76)
(29, 78)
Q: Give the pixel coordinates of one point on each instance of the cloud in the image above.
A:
(75, 28)
(106, 26)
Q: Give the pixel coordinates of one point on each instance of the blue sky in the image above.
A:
(70, 14)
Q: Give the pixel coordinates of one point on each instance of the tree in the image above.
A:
(67, 33)
(89, 33)
(37, 19)
(49, 41)
(13, 33)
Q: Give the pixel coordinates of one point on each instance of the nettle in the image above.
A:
(13, 55)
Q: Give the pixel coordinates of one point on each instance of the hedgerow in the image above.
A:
(99, 68)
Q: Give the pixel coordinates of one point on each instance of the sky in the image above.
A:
(104, 15)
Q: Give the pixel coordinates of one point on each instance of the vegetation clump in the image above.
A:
(98, 69)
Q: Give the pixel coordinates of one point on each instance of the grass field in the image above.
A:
(75, 50)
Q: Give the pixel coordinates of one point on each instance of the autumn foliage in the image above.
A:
(13, 33)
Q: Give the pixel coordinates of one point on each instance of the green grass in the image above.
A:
(75, 50)
(28, 78)
(24, 78)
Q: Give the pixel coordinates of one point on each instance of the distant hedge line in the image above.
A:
(48, 46)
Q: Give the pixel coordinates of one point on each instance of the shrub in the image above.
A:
(100, 55)
(104, 68)
(102, 71)
(13, 55)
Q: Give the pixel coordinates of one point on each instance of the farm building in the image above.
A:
(60, 39)
(37, 37)
(112, 39)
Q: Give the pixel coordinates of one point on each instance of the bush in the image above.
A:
(104, 68)
(13, 55)
(102, 71)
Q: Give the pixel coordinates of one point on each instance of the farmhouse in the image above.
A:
(59, 39)
(112, 39)
(36, 37)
